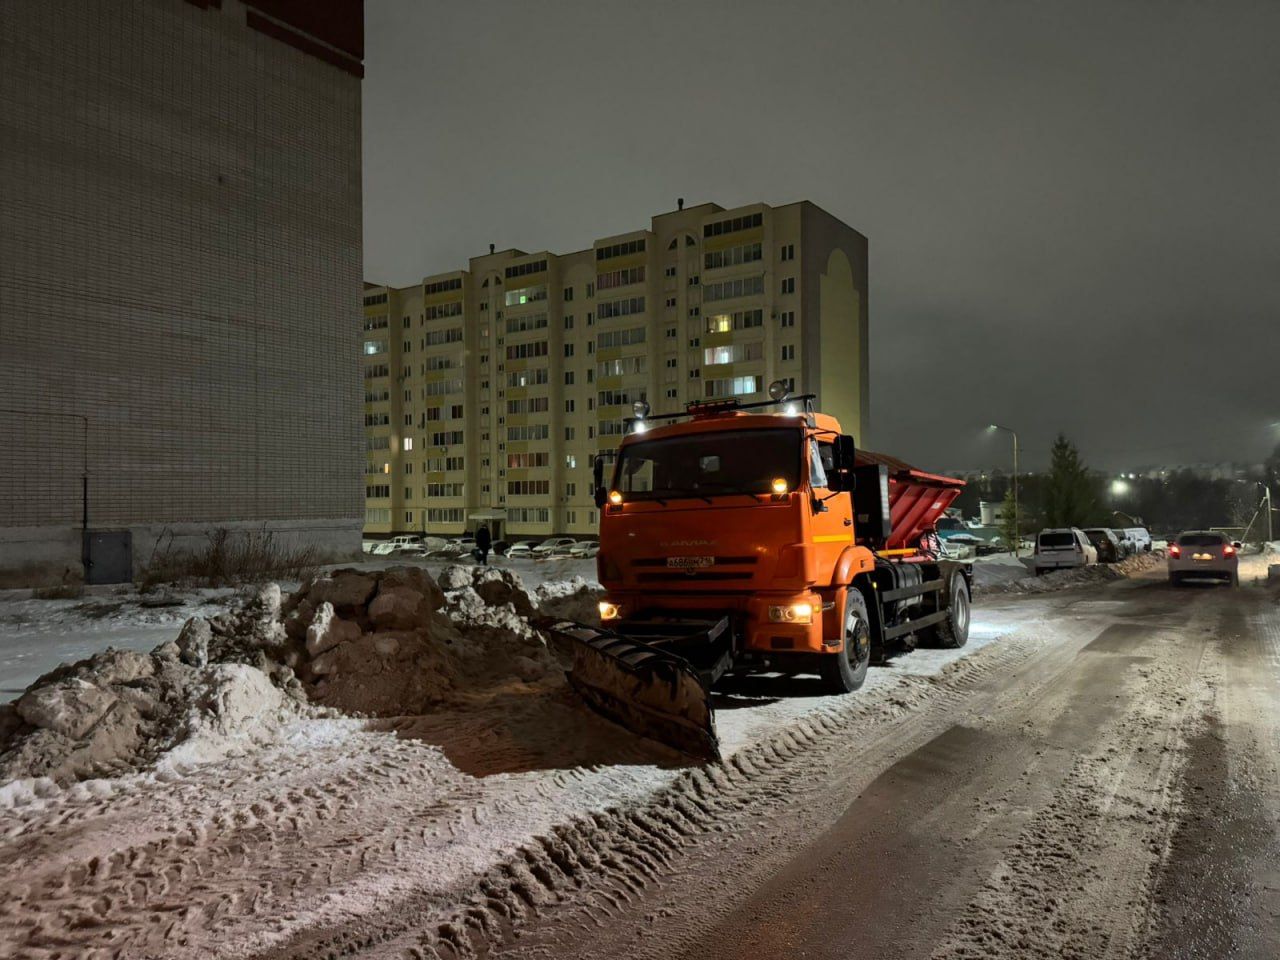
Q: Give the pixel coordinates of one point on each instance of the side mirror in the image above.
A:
(843, 461)
(597, 474)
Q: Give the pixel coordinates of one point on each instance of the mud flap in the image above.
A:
(651, 692)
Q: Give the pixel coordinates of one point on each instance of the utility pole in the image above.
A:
(1271, 535)
(1017, 527)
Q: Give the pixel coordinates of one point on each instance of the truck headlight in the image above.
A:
(801, 612)
(610, 611)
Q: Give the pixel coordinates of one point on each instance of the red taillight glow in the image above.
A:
(1228, 550)
(1175, 551)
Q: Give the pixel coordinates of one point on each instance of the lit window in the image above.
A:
(408, 443)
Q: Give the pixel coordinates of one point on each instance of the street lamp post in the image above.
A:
(1017, 527)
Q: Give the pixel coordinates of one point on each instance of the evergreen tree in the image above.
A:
(1008, 530)
(1071, 498)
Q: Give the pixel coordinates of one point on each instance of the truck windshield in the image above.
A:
(709, 464)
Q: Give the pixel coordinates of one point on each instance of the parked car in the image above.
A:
(553, 546)
(382, 549)
(1062, 548)
(584, 549)
(1204, 553)
(1141, 538)
(403, 543)
(1127, 547)
(1110, 550)
(521, 549)
(429, 546)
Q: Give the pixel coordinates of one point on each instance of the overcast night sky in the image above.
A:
(1073, 209)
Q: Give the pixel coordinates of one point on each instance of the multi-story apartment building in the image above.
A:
(179, 272)
(490, 390)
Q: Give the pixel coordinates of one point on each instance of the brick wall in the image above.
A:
(180, 263)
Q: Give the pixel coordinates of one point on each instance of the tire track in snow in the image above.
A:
(598, 865)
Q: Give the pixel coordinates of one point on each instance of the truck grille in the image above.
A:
(719, 561)
(655, 570)
(693, 576)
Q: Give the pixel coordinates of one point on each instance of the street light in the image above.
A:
(1017, 528)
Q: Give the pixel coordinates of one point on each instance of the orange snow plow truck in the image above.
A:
(739, 538)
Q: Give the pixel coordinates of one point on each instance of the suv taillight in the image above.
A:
(1228, 550)
(1175, 551)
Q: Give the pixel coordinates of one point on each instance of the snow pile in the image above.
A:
(120, 710)
(998, 569)
(1076, 576)
(387, 643)
(576, 599)
(394, 643)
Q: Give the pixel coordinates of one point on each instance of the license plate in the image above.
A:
(1202, 556)
(688, 563)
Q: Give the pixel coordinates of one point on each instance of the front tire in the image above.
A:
(846, 671)
(953, 632)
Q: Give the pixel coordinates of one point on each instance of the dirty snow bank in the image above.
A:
(120, 710)
(387, 643)
(398, 643)
(998, 569)
(1074, 577)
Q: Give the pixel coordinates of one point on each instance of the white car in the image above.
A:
(584, 549)
(428, 546)
(553, 547)
(1140, 537)
(521, 550)
(1063, 548)
(1204, 553)
(406, 542)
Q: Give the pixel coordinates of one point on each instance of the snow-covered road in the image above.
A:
(954, 773)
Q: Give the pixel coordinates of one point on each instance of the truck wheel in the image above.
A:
(846, 671)
(953, 632)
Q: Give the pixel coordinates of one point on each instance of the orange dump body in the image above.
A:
(916, 498)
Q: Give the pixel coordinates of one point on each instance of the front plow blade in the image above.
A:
(650, 692)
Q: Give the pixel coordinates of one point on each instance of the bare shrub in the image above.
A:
(228, 558)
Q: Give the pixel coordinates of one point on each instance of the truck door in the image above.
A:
(831, 515)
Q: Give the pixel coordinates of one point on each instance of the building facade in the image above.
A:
(180, 260)
(488, 391)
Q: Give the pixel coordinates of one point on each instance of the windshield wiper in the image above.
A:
(723, 486)
(670, 492)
